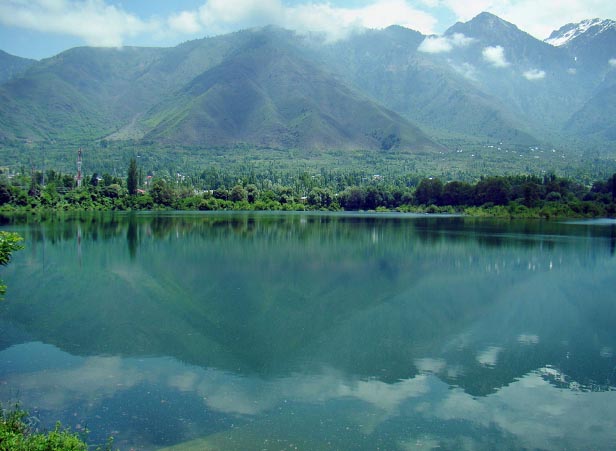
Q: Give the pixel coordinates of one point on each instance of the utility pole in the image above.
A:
(79, 176)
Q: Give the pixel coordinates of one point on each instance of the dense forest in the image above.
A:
(547, 196)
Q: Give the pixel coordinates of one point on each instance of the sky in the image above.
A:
(43, 28)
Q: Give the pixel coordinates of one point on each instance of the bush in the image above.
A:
(15, 435)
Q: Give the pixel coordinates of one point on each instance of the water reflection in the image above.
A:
(235, 412)
(327, 331)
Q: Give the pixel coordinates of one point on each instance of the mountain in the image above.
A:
(265, 94)
(249, 87)
(482, 81)
(530, 76)
(596, 118)
(592, 45)
(12, 66)
(83, 93)
(429, 90)
(574, 32)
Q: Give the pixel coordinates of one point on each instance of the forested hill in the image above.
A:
(481, 81)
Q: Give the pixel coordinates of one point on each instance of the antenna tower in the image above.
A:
(79, 176)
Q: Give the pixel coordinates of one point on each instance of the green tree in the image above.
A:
(429, 192)
(162, 193)
(252, 193)
(5, 194)
(238, 194)
(9, 243)
(457, 193)
(16, 435)
(532, 194)
(494, 190)
(132, 177)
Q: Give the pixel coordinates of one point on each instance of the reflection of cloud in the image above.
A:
(612, 62)
(489, 356)
(430, 365)
(538, 414)
(534, 74)
(530, 410)
(96, 378)
(528, 339)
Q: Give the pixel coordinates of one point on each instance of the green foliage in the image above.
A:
(131, 178)
(162, 193)
(429, 192)
(9, 243)
(15, 435)
(525, 196)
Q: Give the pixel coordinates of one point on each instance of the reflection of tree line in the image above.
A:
(382, 235)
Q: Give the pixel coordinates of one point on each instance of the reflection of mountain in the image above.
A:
(372, 297)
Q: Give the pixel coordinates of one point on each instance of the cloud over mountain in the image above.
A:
(495, 56)
(444, 44)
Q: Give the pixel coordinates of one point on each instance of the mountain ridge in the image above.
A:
(487, 80)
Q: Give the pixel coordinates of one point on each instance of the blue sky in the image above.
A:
(43, 28)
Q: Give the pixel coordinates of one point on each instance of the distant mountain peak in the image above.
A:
(569, 32)
(490, 20)
(485, 25)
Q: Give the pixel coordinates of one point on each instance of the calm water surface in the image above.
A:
(314, 332)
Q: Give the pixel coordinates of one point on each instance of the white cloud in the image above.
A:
(100, 23)
(534, 74)
(222, 16)
(94, 21)
(186, 22)
(219, 14)
(495, 56)
(612, 62)
(444, 44)
(435, 44)
(467, 70)
(572, 71)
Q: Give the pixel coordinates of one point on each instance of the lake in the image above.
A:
(214, 331)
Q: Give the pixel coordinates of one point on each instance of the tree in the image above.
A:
(238, 194)
(5, 194)
(162, 193)
(531, 194)
(9, 243)
(457, 193)
(494, 190)
(132, 177)
(94, 179)
(352, 198)
(429, 192)
(252, 193)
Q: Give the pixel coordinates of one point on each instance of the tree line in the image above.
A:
(215, 189)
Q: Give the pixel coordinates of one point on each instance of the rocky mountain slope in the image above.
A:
(483, 80)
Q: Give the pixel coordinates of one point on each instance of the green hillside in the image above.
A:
(12, 66)
(273, 89)
(265, 94)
